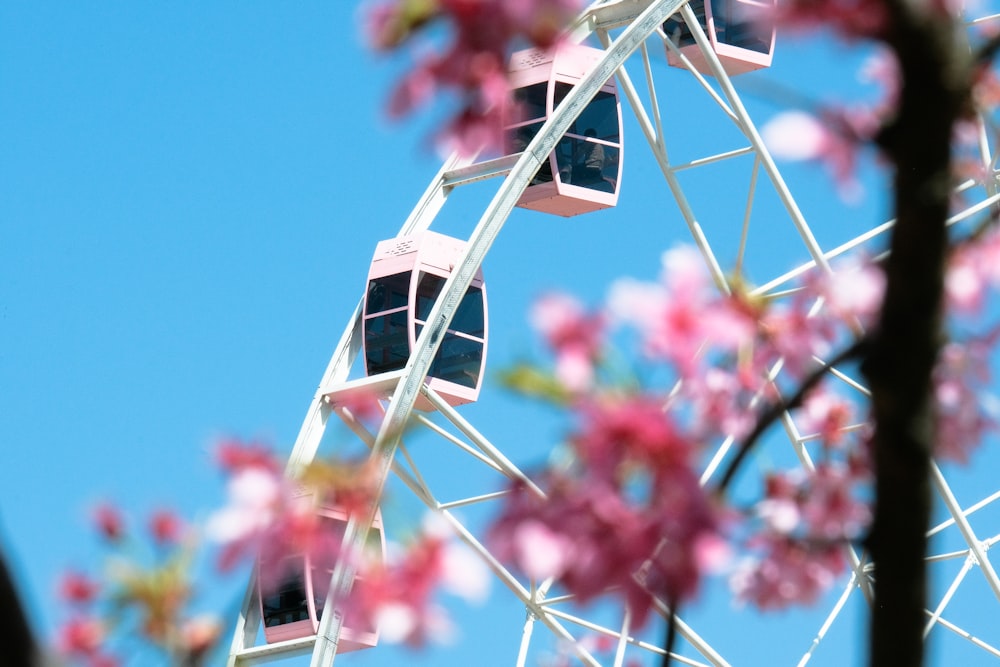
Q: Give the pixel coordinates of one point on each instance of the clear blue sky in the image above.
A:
(189, 199)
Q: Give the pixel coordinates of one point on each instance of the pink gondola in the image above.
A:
(405, 279)
(294, 607)
(583, 173)
(741, 33)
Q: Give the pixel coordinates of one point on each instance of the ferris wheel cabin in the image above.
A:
(740, 32)
(293, 608)
(583, 172)
(404, 282)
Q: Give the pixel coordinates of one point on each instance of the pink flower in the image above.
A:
(540, 552)
(398, 594)
(199, 634)
(793, 336)
(81, 636)
(234, 455)
(165, 527)
(855, 19)
(575, 337)
(973, 269)
(473, 63)
(962, 373)
(256, 499)
(683, 316)
(109, 521)
(363, 405)
(78, 588)
(720, 402)
(829, 509)
(788, 573)
(833, 138)
(853, 292)
(596, 540)
(826, 414)
(634, 430)
(816, 506)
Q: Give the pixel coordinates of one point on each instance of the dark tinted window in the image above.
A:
(677, 30)
(469, 318)
(287, 603)
(588, 164)
(458, 360)
(388, 293)
(428, 289)
(748, 26)
(386, 344)
(529, 103)
(601, 116)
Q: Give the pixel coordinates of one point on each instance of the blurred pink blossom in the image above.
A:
(81, 636)
(853, 19)
(631, 430)
(78, 588)
(788, 573)
(473, 64)
(832, 138)
(399, 593)
(165, 527)
(575, 336)
(598, 541)
(853, 291)
(826, 414)
(233, 455)
(109, 521)
(960, 381)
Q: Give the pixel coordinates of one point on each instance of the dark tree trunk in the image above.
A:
(18, 644)
(900, 364)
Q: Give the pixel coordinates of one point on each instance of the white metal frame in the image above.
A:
(625, 28)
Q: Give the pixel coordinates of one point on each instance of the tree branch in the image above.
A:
(774, 411)
(18, 643)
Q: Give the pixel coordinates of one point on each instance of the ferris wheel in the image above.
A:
(420, 334)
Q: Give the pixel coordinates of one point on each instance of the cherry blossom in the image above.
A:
(829, 508)
(853, 291)
(109, 522)
(794, 336)
(716, 396)
(82, 636)
(199, 634)
(682, 314)
(165, 527)
(638, 551)
(826, 415)
(853, 19)
(78, 589)
(473, 64)
(973, 270)
(575, 336)
(632, 430)
(789, 572)
(833, 138)
(398, 594)
(960, 379)
(232, 454)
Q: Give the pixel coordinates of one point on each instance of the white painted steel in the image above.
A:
(638, 22)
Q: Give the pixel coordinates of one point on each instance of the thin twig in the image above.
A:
(778, 408)
(668, 645)
(987, 51)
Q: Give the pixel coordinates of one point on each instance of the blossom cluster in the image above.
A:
(276, 521)
(145, 596)
(628, 514)
(473, 65)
